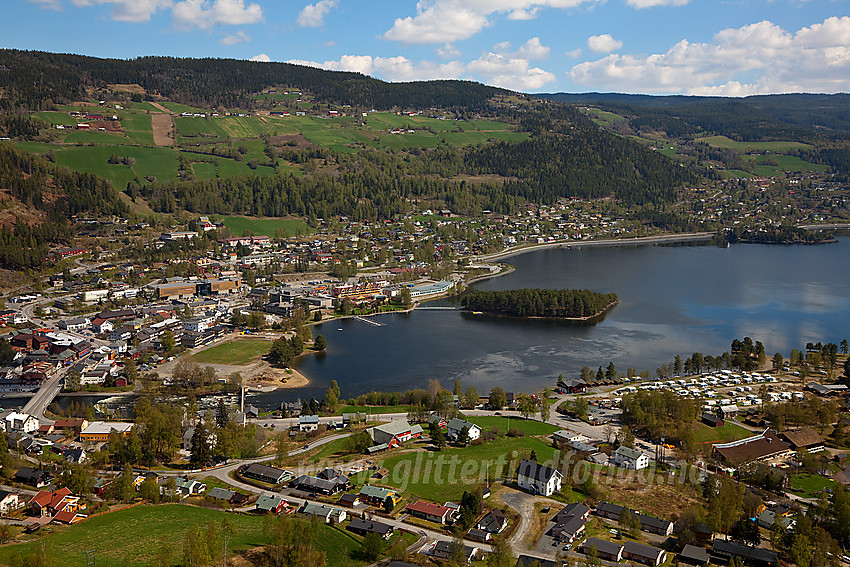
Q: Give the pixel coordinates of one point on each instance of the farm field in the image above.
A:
(265, 226)
(160, 163)
(238, 352)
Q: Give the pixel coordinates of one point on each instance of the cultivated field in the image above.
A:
(265, 225)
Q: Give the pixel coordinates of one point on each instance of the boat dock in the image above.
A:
(375, 323)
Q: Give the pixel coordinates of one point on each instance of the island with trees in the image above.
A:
(581, 304)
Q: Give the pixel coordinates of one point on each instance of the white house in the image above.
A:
(537, 478)
(629, 458)
(308, 423)
(21, 422)
(456, 426)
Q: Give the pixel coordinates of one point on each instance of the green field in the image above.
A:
(530, 426)
(160, 163)
(266, 226)
(444, 475)
(134, 536)
(724, 434)
(724, 142)
(785, 163)
(604, 117)
(810, 485)
(239, 352)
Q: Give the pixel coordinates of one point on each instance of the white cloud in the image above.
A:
(448, 51)
(604, 43)
(640, 4)
(313, 15)
(441, 21)
(234, 38)
(262, 58)
(397, 68)
(48, 4)
(574, 54)
(129, 10)
(207, 13)
(533, 49)
(756, 58)
(505, 70)
(514, 73)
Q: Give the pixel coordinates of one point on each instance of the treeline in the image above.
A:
(561, 303)
(54, 194)
(662, 413)
(37, 80)
(778, 235)
(755, 118)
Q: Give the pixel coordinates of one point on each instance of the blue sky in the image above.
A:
(719, 47)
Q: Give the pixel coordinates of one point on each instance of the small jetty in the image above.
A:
(375, 323)
(435, 308)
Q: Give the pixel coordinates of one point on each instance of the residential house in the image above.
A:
(607, 550)
(444, 550)
(320, 485)
(188, 487)
(74, 455)
(529, 561)
(16, 421)
(570, 529)
(377, 496)
(394, 433)
(538, 479)
(724, 550)
(769, 518)
(629, 458)
(456, 426)
(366, 527)
(440, 421)
(430, 511)
(478, 535)
(46, 503)
(693, 555)
(654, 525)
(641, 553)
(349, 500)
(328, 514)
(9, 501)
(494, 522)
(33, 477)
(270, 504)
(267, 474)
(308, 423)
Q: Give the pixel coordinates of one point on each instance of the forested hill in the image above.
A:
(36, 80)
(754, 118)
(38, 199)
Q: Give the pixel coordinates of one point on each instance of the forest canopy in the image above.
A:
(557, 303)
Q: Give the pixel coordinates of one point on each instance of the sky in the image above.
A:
(698, 47)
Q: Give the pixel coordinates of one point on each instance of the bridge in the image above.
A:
(41, 399)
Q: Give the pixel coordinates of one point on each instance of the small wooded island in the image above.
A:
(552, 303)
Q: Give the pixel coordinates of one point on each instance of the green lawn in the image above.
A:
(239, 352)
(267, 226)
(530, 426)
(444, 475)
(160, 163)
(372, 410)
(134, 536)
(729, 432)
(810, 485)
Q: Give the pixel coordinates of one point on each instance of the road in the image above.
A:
(39, 402)
(640, 240)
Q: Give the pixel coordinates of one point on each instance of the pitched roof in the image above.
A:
(628, 452)
(576, 509)
(695, 553)
(641, 550)
(221, 493)
(751, 448)
(532, 469)
(602, 546)
(725, 547)
(807, 437)
(428, 508)
(370, 526)
(376, 492)
(266, 502)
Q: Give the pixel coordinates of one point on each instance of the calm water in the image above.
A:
(673, 300)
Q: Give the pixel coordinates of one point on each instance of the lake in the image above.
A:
(673, 300)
